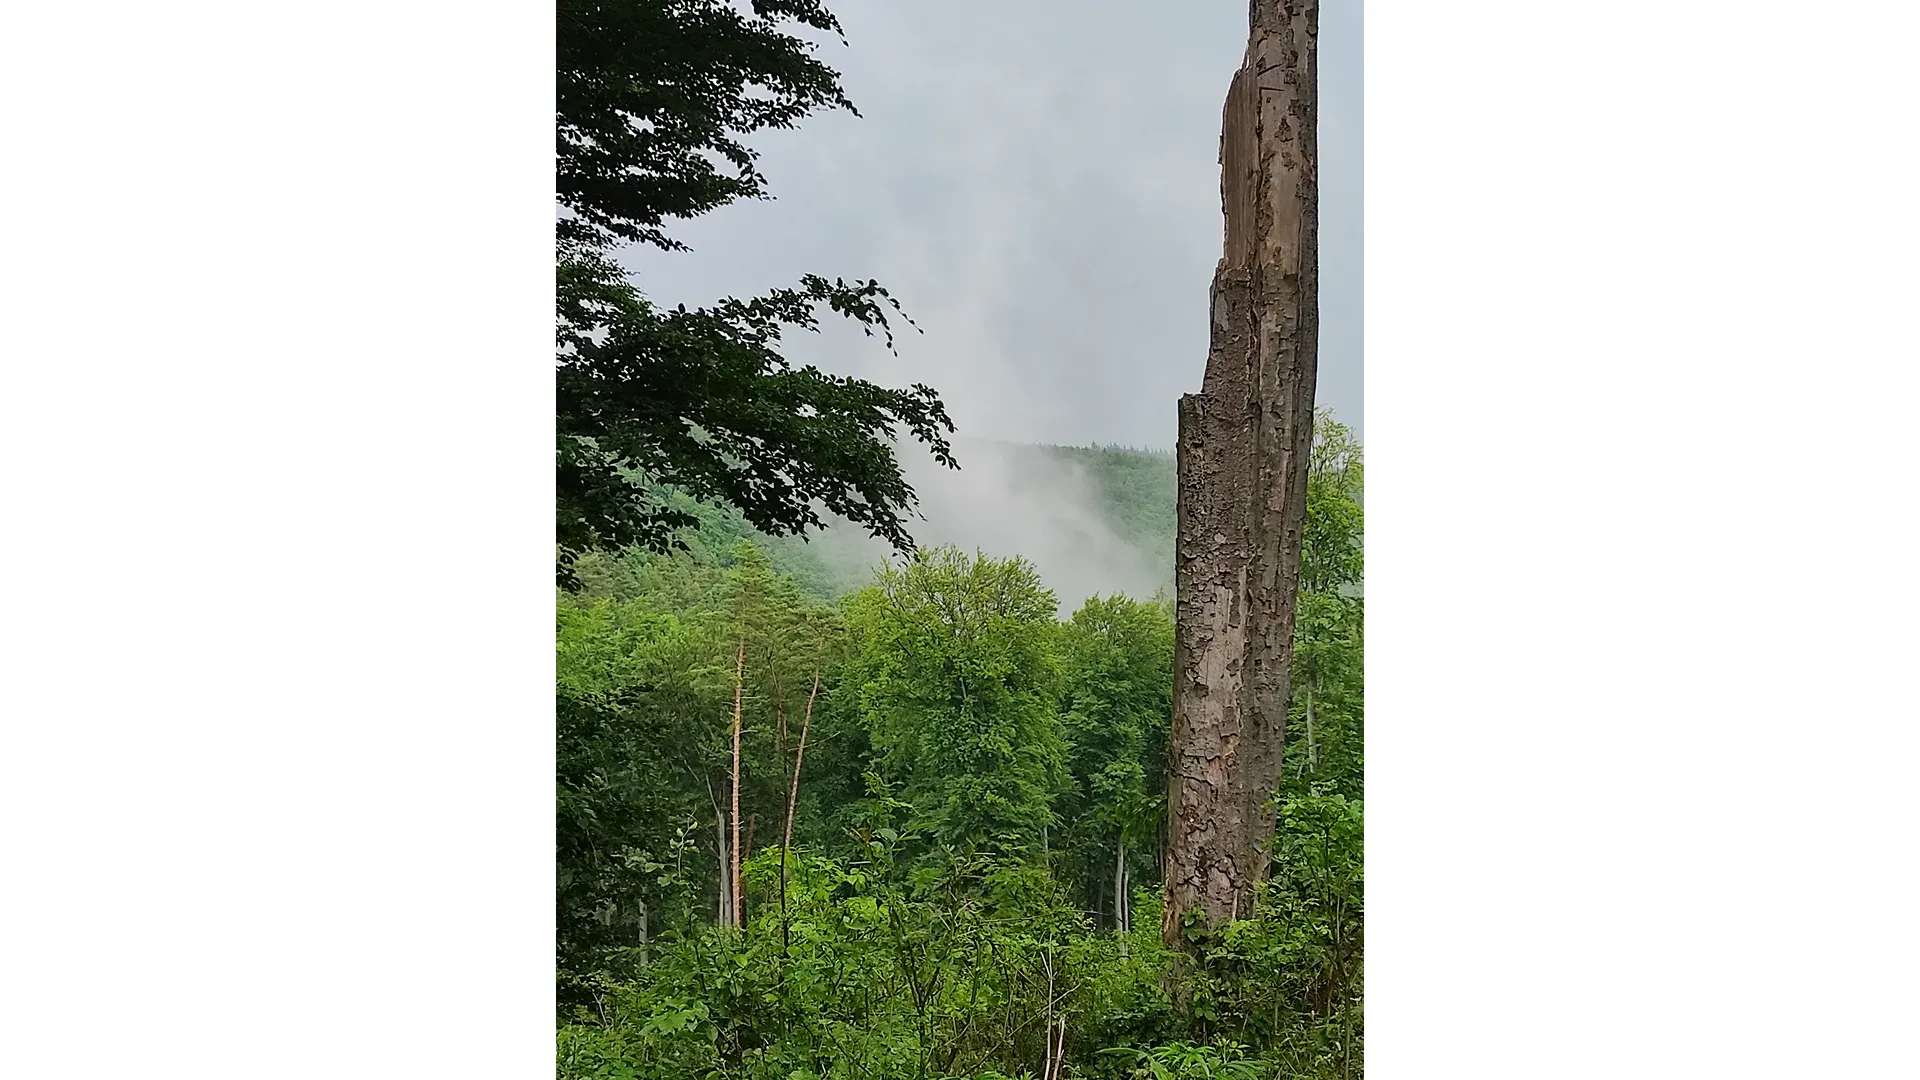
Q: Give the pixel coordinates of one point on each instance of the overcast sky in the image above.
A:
(1039, 185)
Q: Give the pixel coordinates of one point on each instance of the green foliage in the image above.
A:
(955, 660)
(973, 766)
(1324, 731)
(644, 751)
(651, 98)
(702, 401)
(858, 969)
(978, 777)
(852, 972)
(654, 94)
(713, 540)
(1187, 1061)
(1117, 697)
(1331, 553)
(1135, 492)
(1290, 978)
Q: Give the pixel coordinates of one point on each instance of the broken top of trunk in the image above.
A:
(1243, 450)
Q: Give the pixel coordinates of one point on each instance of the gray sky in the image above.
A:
(1038, 184)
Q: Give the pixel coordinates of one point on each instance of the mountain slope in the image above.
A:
(1094, 520)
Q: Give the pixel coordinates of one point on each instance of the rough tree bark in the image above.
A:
(1242, 462)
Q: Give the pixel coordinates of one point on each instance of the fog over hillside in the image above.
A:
(1050, 220)
(1092, 520)
(1048, 214)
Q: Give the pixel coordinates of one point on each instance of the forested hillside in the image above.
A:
(863, 726)
(1130, 493)
(973, 788)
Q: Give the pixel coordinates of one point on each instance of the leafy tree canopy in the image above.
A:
(1331, 554)
(975, 850)
(959, 675)
(654, 100)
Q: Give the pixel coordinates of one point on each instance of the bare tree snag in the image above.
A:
(1242, 465)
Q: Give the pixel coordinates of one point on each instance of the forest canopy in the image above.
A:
(976, 823)
(905, 820)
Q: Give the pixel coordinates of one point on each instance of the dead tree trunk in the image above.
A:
(1242, 462)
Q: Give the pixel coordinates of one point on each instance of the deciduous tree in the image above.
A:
(655, 98)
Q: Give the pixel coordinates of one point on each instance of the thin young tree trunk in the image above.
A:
(1120, 883)
(779, 719)
(793, 798)
(721, 917)
(1242, 468)
(1046, 1068)
(725, 914)
(1313, 755)
(740, 857)
(739, 671)
(799, 759)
